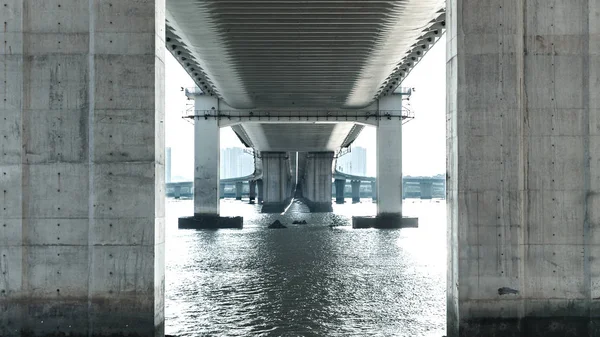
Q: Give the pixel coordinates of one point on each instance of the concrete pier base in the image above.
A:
(316, 186)
(252, 191)
(274, 207)
(203, 221)
(387, 221)
(276, 189)
(239, 188)
(340, 186)
(259, 190)
(374, 191)
(355, 191)
(532, 326)
(318, 207)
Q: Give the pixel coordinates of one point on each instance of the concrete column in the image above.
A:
(239, 188)
(252, 190)
(523, 182)
(355, 191)
(426, 189)
(374, 190)
(260, 190)
(275, 176)
(389, 161)
(318, 178)
(177, 193)
(221, 191)
(340, 185)
(81, 168)
(206, 159)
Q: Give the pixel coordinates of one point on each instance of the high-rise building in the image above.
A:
(168, 165)
(235, 162)
(354, 162)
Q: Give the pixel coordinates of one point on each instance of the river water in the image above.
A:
(307, 280)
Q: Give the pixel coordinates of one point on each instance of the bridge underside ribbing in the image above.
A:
(301, 54)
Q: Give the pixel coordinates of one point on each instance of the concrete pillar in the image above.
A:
(317, 182)
(276, 173)
(177, 192)
(426, 189)
(81, 168)
(239, 188)
(206, 159)
(252, 190)
(374, 190)
(221, 191)
(260, 190)
(207, 184)
(389, 161)
(340, 185)
(523, 169)
(355, 191)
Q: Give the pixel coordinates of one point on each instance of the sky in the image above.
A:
(423, 138)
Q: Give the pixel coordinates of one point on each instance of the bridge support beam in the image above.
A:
(239, 189)
(374, 190)
(260, 191)
(81, 169)
(276, 181)
(426, 190)
(340, 186)
(523, 148)
(355, 191)
(206, 172)
(221, 191)
(252, 191)
(317, 181)
(389, 172)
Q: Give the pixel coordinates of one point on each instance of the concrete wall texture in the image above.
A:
(524, 167)
(318, 177)
(81, 116)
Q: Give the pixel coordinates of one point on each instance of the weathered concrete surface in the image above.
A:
(276, 181)
(81, 168)
(523, 164)
(317, 181)
(206, 158)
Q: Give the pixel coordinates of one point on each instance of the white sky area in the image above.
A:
(423, 138)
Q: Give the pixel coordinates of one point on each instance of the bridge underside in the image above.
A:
(301, 54)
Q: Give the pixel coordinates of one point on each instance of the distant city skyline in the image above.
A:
(354, 162)
(235, 162)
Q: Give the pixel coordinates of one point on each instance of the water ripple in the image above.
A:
(307, 280)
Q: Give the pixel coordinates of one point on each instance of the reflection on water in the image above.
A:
(307, 280)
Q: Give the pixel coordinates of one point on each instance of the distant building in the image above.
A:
(168, 165)
(235, 162)
(355, 162)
